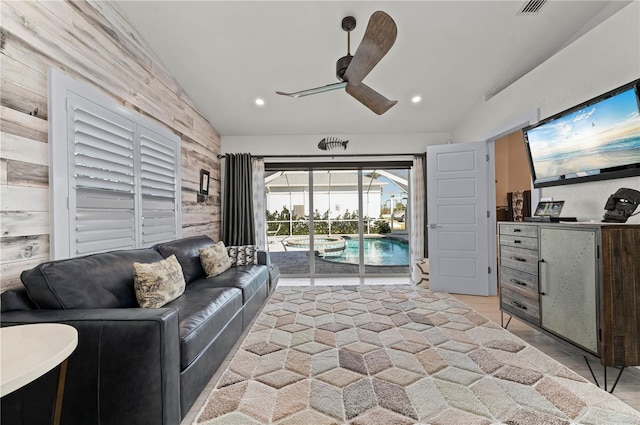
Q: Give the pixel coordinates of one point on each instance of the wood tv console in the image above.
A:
(576, 281)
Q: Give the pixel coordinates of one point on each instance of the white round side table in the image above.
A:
(29, 351)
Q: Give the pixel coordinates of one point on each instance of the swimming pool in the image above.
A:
(377, 252)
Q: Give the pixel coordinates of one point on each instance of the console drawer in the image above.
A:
(519, 306)
(519, 241)
(519, 230)
(521, 282)
(525, 260)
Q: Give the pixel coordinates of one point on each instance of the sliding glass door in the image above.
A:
(338, 222)
(287, 201)
(386, 241)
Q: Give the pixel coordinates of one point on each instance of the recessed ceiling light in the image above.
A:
(416, 99)
(260, 101)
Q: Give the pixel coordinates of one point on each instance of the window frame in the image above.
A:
(62, 165)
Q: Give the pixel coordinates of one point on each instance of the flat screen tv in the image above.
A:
(596, 140)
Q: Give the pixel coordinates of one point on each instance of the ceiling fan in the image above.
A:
(352, 69)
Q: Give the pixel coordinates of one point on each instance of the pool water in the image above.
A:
(377, 252)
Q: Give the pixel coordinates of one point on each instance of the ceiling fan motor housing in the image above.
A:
(341, 66)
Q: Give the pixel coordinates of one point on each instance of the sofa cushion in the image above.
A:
(249, 279)
(103, 280)
(158, 283)
(214, 259)
(187, 252)
(203, 312)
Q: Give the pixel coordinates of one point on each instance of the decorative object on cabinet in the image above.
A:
(621, 205)
(519, 204)
(502, 213)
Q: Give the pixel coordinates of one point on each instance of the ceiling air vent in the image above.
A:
(531, 7)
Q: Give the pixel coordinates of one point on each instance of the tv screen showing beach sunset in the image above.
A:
(603, 135)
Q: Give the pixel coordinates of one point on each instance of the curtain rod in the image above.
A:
(332, 156)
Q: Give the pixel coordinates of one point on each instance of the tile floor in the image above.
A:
(627, 390)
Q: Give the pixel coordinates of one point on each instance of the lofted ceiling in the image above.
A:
(454, 54)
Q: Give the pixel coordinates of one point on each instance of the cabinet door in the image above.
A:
(568, 277)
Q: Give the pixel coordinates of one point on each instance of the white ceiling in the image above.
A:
(452, 53)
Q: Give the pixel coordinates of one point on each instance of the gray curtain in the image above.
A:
(238, 227)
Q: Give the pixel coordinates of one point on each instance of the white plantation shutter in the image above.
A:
(102, 192)
(114, 174)
(158, 181)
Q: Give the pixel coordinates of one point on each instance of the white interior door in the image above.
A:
(457, 197)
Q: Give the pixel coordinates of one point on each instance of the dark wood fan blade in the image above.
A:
(370, 98)
(377, 41)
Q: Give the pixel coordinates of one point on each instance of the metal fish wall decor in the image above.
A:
(330, 143)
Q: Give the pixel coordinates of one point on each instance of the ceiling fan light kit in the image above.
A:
(378, 39)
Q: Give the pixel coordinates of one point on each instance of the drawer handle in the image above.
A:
(517, 230)
(517, 304)
(517, 241)
(517, 282)
(514, 258)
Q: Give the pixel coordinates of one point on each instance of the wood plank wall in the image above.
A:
(92, 43)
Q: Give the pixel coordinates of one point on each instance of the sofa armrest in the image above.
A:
(125, 369)
(263, 258)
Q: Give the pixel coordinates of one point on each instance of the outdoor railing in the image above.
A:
(287, 227)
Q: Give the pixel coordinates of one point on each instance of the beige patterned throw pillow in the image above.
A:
(215, 259)
(158, 283)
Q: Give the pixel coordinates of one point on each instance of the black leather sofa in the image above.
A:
(132, 365)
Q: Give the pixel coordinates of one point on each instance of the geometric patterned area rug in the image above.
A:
(369, 355)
